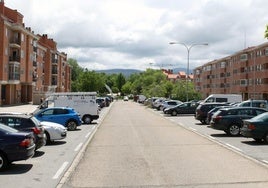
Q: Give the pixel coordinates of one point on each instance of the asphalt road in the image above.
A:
(137, 147)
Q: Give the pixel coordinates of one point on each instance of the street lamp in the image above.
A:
(188, 47)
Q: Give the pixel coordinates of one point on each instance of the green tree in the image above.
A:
(126, 88)
(76, 71)
(91, 81)
(120, 81)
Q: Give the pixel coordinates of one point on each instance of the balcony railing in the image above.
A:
(14, 76)
(54, 71)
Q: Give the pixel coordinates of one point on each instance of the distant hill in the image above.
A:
(125, 72)
(128, 72)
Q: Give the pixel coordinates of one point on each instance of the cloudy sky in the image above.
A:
(135, 34)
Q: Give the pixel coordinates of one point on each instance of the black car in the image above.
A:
(230, 120)
(14, 146)
(26, 123)
(203, 108)
(256, 128)
(184, 108)
(212, 111)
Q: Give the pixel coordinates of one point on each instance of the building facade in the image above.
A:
(29, 63)
(245, 73)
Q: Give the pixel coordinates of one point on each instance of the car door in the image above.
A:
(46, 115)
(246, 113)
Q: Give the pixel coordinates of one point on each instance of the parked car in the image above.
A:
(158, 102)
(67, 117)
(254, 103)
(202, 110)
(54, 131)
(256, 128)
(212, 111)
(125, 98)
(26, 123)
(230, 120)
(101, 102)
(14, 146)
(184, 108)
(169, 104)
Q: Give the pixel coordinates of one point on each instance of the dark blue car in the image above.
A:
(67, 117)
(14, 146)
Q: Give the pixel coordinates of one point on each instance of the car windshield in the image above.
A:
(261, 117)
(8, 129)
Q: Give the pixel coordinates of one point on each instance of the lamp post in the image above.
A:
(188, 47)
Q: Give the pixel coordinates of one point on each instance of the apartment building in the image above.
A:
(29, 63)
(245, 73)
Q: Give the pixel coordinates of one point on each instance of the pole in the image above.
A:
(188, 48)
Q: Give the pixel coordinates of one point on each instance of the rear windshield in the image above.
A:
(261, 117)
(8, 129)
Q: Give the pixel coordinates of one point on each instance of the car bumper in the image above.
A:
(58, 135)
(218, 126)
(250, 133)
(21, 154)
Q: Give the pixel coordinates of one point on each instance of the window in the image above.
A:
(266, 51)
(243, 57)
(243, 82)
(223, 64)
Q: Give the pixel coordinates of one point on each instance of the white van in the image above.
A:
(229, 98)
(82, 102)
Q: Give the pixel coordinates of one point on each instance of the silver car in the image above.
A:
(54, 131)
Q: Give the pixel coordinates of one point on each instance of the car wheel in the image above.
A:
(87, 119)
(266, 138)
(71, 125)
(259, 140)
(48, 138)
(203, 121)
(3, 162)
(174, 113)
(234, 130)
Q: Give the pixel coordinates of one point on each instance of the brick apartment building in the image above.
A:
(245, 72)
(29, 64)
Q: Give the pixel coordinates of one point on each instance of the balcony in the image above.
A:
(14, 43)
(54, 71)
(54, 61)
(14, 58)
(34, 63)
(14, 76)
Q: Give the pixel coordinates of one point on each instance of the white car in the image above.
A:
(54, 131)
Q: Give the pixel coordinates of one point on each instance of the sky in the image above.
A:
(136, 34)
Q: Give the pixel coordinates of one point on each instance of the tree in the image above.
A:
(120, 81)
(91, 81)
(76, 69)
(266, 32)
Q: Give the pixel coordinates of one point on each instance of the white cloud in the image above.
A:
(108, 34)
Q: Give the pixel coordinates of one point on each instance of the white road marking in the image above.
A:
(60, 171)
(88, 134)
(265, 161)
(231, 146)
(78, 147)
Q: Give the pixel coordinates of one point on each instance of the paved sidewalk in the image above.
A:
(25, 108)
(134, 147)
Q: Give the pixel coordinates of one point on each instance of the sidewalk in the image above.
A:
(25, 108)
(134, 147)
